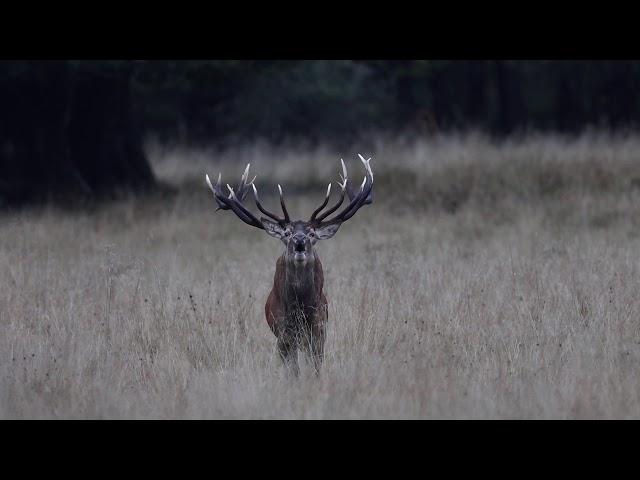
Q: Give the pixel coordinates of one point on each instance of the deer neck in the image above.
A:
(299, 284)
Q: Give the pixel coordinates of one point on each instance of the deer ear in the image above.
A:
(325, 233)
(272, 228)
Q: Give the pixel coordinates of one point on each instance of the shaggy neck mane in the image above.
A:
(300, 286)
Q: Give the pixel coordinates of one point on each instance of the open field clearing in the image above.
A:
(485, 281)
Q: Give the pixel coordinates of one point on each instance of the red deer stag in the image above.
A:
(296, 309)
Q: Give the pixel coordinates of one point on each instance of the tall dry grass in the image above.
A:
(486, 281)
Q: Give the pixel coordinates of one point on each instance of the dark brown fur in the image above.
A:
(296, 311)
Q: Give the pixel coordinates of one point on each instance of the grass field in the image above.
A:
(485, 281)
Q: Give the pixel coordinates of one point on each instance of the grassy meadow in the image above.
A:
(487, 280)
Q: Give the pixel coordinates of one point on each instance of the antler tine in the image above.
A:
(243, 186)
(284, 208)
(217, 192)
(264, 210)
(344, 171)
(342, 190)
(324, 204)
(369, 198)
(206, 177)
(347, 183)
(367, 166)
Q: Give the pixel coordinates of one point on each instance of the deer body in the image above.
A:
(296, 309)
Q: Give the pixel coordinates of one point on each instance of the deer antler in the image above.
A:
(234, 200)
(363, 197)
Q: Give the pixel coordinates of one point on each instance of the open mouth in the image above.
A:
(299, 252)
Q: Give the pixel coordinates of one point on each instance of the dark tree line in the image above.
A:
(337, 100)
(66, 129)
(78, 126)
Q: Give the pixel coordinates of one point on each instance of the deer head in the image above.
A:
(298, 236)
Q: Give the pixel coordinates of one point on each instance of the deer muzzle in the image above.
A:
(299, 249)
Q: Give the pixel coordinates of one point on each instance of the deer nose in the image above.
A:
(299, 241)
